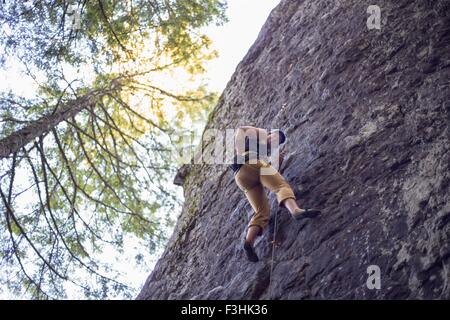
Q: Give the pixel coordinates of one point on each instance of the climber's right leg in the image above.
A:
(298, 213)
(291, 205)
(275, 182)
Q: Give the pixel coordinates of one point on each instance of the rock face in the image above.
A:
(366, 112)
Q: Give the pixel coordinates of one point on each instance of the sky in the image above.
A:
(232, 41)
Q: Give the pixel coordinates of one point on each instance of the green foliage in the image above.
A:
(44, 33)
(100, 172)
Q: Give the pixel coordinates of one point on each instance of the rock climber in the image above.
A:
(253, 171)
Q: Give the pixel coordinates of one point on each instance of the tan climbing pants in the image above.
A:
(250, 180)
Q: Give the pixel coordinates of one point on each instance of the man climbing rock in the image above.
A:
(253, 172)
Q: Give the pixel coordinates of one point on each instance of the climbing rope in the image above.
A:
(273, 254)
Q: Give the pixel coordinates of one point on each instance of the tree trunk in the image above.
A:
(22, 137)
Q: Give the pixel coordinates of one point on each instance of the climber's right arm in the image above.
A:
(246, 131)
(256, 130)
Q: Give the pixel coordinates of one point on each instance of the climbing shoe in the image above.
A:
(250, 251)
(306, 213)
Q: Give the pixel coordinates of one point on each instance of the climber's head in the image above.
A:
(276, 135)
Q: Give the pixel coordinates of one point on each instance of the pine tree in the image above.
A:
(91, 152)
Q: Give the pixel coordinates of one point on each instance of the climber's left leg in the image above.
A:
(261, 212)
(247, 180)
(258, 200)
